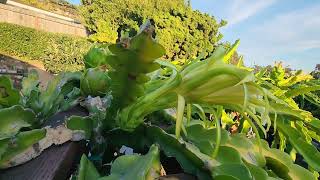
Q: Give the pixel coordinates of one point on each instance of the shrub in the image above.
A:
(65, 53)
(23, 42)
(185, 33)
(58, 52)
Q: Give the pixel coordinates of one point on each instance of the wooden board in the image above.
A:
(56, 162)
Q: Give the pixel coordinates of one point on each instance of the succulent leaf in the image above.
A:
(18, 144)
(8, 95)
(13, 119)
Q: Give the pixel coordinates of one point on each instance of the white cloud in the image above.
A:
(284, 36)
(284, 32)
(299, 27)
(243, 9)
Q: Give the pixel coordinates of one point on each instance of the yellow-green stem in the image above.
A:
(218, 137)
(180, 111)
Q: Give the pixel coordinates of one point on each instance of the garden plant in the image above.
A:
(214, 118)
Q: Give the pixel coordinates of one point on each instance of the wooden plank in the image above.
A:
(55, 163)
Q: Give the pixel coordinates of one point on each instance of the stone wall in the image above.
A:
(39, 19)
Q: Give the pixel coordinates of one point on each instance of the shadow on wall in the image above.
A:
(17, 69)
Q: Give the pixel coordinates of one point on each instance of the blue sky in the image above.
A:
(269, 30)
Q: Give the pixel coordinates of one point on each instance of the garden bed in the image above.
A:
(56, 162)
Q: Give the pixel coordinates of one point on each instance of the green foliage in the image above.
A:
(87, 170)
(18, 122)
(299, 142)
(65, 54)
(185, 33)
(141, 84)
(11, 147)
(61, 93)
(13, 119)
(80, 123)
(210, 82)
(30, 83)
(137, 167)
(8, 95)
(189, 157)
(126, 167)
(23, 42)
(238, 157)
(58, 52)
(95, 82)
(252, 155)
(288, 85)
(292, 127)
(95, 57)
(130, 61)
(311, 102)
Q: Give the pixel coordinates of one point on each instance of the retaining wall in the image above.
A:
(28, 16)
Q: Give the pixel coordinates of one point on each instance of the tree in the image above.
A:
(317, 67)
(316, 72)
(184, 32)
